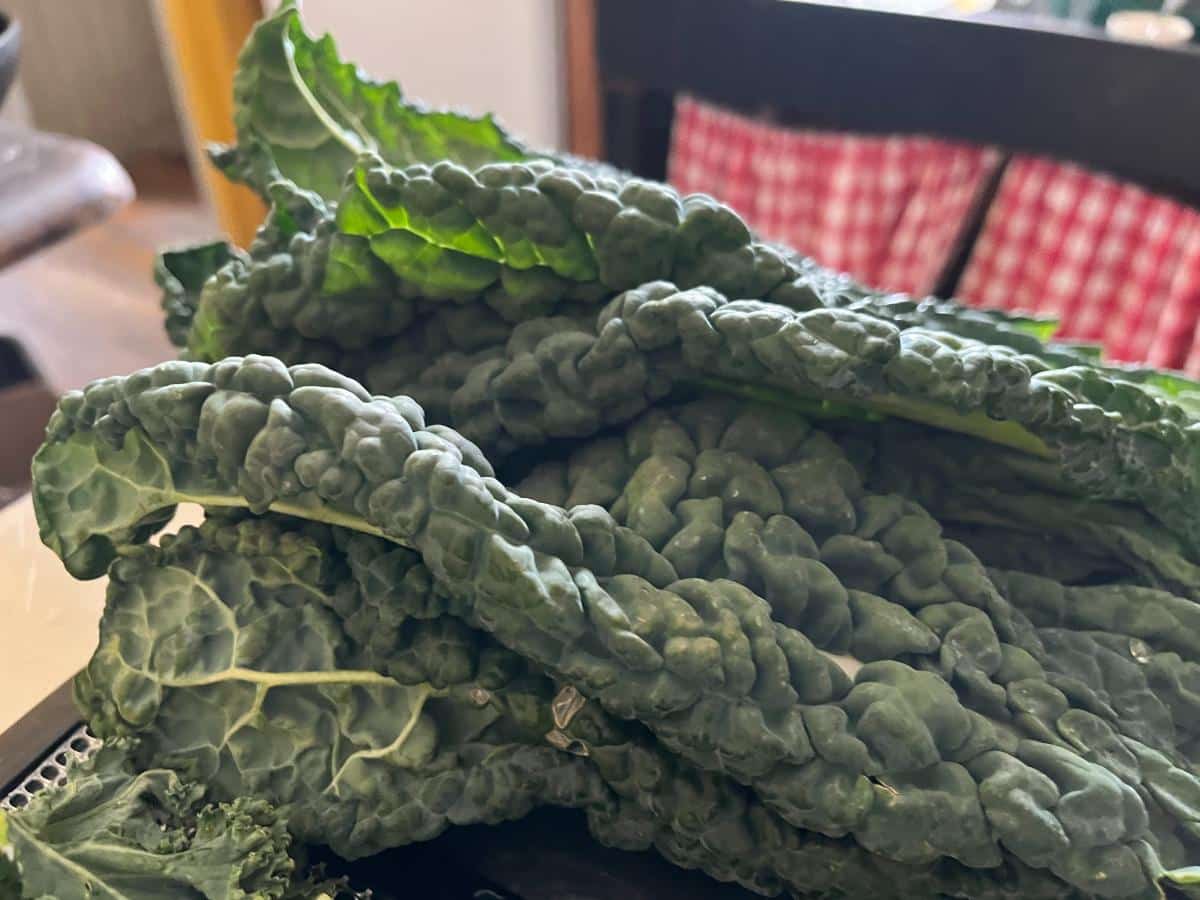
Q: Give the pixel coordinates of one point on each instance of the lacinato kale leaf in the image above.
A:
(303, 114)
(492, 735)
(916, 760)
(181, 276)
(1017, 512)
(522, 235)
(245, 678)
(820, 590)
(435, 282)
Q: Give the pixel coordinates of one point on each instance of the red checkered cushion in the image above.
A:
(888, 210)
(1113, 263)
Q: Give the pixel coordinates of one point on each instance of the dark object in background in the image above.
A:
(26, 402)
(548, 855)
(52, 186)
(10, 51)
(1030, 84)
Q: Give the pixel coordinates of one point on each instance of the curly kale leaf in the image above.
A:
(703, 663)
(113, 832)
(303, 114)
(10, 878)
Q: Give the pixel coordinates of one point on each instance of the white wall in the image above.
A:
(501, 56)
(92, 68)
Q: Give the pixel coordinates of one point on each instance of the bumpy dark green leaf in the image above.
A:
(244, 678)
(452, 231)
(1016, 512)
(780, 658)
(531, 230)
(259, 585)
(895, 759)
(754, 495)
(1108, 439)
(305, 115)
(181, 275)
(528, 238)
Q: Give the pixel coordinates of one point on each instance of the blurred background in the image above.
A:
(150, 81)
(1030, 154)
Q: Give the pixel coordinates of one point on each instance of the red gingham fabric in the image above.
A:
(888, 210)
(1113, 263)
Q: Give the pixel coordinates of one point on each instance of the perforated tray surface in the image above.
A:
(52, 771)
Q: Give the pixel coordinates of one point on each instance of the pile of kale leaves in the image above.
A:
(531, 484)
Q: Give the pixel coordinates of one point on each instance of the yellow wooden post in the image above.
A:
(203, 38)
(584, 117)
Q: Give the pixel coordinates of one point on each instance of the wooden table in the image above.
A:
(50, 187)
